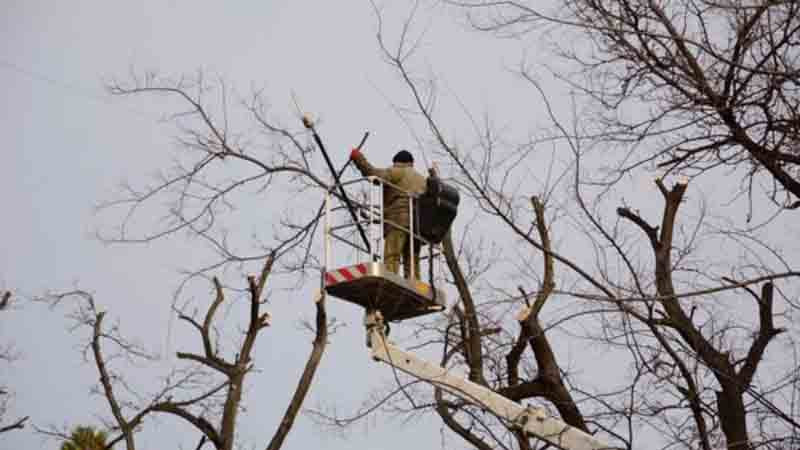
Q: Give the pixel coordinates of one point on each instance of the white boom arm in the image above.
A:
(534, 421)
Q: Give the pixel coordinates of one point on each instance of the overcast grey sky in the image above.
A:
(67, 145)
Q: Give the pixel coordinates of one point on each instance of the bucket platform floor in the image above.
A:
(372, 286)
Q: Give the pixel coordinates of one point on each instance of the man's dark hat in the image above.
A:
(403, 156)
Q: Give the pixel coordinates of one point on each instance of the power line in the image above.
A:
(71, 88)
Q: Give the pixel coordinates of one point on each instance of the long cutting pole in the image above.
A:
(310, 125)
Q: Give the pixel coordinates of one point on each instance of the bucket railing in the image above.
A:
(369, 211)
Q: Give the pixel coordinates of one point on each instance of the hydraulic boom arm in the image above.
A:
(534, 421)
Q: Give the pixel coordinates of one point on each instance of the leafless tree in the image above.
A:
(662, 298)
(225, 164)
(689, 86)
(207, 393)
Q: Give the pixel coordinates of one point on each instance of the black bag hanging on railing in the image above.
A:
(436, 209)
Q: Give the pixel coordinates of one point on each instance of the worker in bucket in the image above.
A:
(396, 207)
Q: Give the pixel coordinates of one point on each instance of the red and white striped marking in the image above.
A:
(345, 274)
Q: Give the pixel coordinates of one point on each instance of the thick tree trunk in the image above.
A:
(472, 340)
(730, 405)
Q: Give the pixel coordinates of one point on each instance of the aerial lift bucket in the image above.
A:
(368, 283)
(360, 276)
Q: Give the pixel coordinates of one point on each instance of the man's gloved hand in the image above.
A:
(355, 153)
(434, 170)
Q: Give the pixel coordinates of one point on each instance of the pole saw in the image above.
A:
(336, 176)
